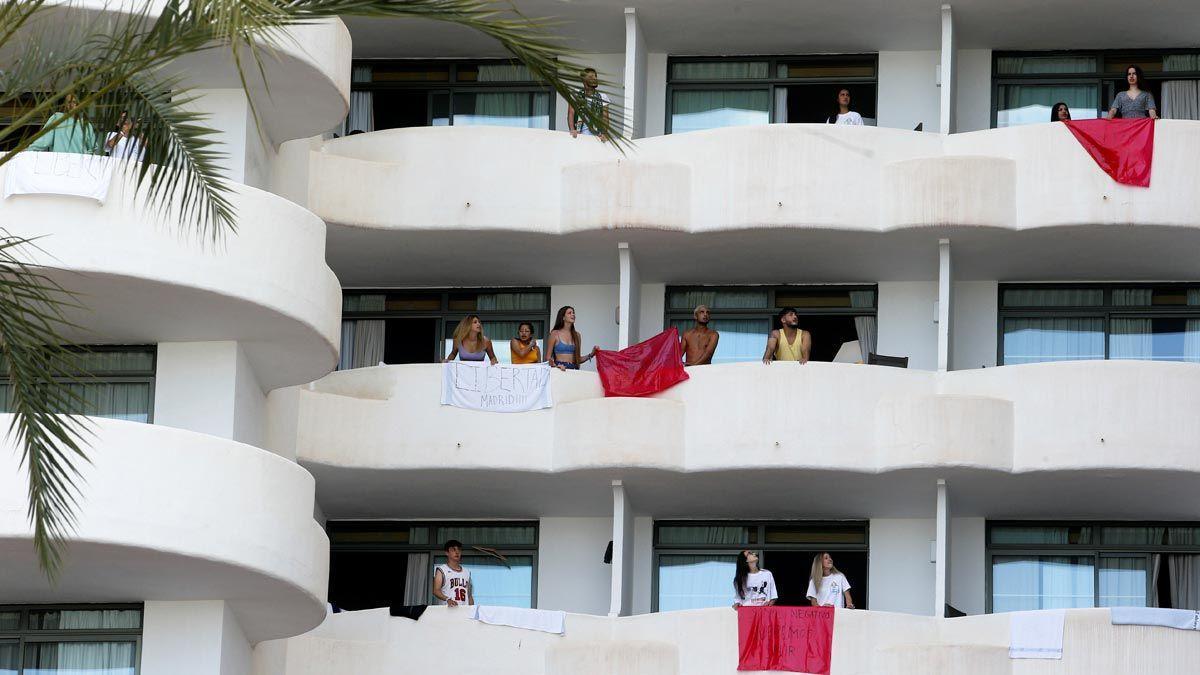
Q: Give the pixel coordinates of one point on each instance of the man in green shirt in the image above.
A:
(72, 135)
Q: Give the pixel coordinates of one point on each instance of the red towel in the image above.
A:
(1124, 149)
(642, 369)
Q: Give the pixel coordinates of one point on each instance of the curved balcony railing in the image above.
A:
(860, 179)
(167, 514)
(705, 642)
(1069, 416)
(142, 278)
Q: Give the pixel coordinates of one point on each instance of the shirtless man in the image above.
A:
(699, 343)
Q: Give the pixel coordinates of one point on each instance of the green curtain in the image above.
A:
(1133, 297)
(1053, 297)
(364, 302)
(504, 72)
(720, 70)
(731, 299)
(489, 535)
(704, 534)
(510, 301)
(1037, 65)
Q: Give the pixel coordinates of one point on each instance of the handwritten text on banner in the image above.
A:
(499, 388)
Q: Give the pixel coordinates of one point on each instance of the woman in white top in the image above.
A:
(122, 143)
(827, 587)
(752, 586)
(844, 114)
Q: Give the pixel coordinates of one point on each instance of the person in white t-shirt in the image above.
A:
(452, 581)
(827, 587)
(753, 587)
(844, 114)
(123, 143)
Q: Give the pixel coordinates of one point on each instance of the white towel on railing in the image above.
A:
(1036, 635)
(542, 620)
(1183, 619)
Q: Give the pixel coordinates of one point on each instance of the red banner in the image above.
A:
(1124, 149)
(644, 368)
(795, 639)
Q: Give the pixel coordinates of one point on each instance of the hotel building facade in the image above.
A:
(269, 435)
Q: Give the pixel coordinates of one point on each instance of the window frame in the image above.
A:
(25, 635)
(117, 376)
(1102, 79)
(453, 85)
(444, 314)
(434, 548)
(1106, 311)
(657, 549)
(1096, 550)
(768, 83)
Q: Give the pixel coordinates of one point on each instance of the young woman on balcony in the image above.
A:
(753, 587)
(827, 587)
(1133, 103)
(843, 114)
(1060, 112)
(470, 344)
(563, 343)
(523, 347)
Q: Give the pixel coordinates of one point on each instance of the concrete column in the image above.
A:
(941, 569)
(211, 388)
(621, 602)
(248, 155)
(635, 76)
(629, 299)
(193, 638)
(948, 80)
(945, 305)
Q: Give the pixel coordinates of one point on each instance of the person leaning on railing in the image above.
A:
(563, 350)
(72, 135)
(523, 347)
(1133, 103)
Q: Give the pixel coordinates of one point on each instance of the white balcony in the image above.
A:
(143, 279)
(166, 514)
(704, 642)
(827, 440)
(828, 203)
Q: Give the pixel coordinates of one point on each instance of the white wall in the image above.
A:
(974, 105)
(901, 576)
(595, 311)
(656, 94)
(193, 638)
(974, 324)
(643, 563)
(611, 69)
(572, 575)
(654, 297)
(248, 157)
(906, 327)
(967, 562)
(908, 91)
(209, 387)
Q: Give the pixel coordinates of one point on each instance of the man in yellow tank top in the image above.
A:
(788, 342)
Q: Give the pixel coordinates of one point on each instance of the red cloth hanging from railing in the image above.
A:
(642, 369)
(1124, 149)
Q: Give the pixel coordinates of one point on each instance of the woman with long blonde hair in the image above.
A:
(470, 344)
(827, 587)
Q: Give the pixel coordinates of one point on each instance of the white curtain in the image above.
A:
(1041, 582)
(1155, 571)
(720, 70)
(1185, 580)
(80, 658)
(368, 343)
(1131, 339)
(864, 325)
(1181, 98)
(99, 619)
(736, 299)
(1035, 340)
(1123, 582)
(1053, 297)
(362, 104)
(346, 356)
(704, 535)
(417, 579)
(1133, 297)
(510, 301)
(781, 110)
(714, 108)
(1191, 341)
(695, 581)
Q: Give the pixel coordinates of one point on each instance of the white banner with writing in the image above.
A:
(499, 388)
(58, 173)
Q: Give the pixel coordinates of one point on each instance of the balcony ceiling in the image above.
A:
(806, 26)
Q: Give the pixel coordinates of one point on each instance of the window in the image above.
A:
(745, 316)
(75, 640)
(395, 94)
(1065, 565)
(694, 561)
(113, 382)
(417, 326)
(1155, 322)
(1028, 84)
(382, 563)
(708, 93)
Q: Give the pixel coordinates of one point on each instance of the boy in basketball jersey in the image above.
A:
(452, 581)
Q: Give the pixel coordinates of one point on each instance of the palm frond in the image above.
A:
(32, 319)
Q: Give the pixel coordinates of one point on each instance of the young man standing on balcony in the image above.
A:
(452, 581)
(596, 100)
(699, 343)
(788, 342)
